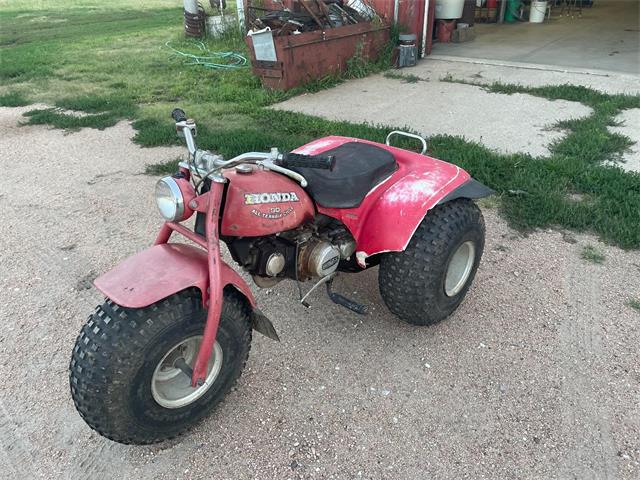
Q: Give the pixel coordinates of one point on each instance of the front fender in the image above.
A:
(161, 271)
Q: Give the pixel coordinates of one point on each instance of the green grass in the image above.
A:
(165, 168)
(13, 99)
(108, 60)
(592, 254)
(84, 111)
(54, 117)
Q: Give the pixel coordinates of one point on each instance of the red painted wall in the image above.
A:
(410, 13)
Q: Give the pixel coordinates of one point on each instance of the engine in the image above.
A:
(312, 251)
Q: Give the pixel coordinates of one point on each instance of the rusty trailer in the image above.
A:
(285, 62)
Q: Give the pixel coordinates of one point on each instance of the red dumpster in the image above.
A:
(294, 60)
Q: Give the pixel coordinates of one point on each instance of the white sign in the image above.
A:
(263, 46)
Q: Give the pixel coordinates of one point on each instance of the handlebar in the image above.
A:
(206, 164)
(307, 161)
(178, 115)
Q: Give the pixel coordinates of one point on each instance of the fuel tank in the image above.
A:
(260, 202)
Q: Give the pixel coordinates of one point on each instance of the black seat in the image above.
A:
(358, 168)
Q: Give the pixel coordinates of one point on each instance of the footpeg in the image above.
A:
(345, 302)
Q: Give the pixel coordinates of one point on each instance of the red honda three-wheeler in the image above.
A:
(174, 332)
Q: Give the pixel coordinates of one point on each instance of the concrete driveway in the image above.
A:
(535, 376)
(434, 105)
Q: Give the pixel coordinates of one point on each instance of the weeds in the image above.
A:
(358, 66)
(635, 304)
(592, 254)
(165, 168)
(408, 78)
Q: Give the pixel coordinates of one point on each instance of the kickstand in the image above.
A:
(344, 301)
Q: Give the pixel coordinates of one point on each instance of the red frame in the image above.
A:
(214, 300)
(166, 268)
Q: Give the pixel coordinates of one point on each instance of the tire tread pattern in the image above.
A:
(410, 281)
(109, 351)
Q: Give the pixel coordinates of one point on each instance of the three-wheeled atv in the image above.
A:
(173, 334)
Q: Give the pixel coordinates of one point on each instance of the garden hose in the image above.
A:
(209, 59)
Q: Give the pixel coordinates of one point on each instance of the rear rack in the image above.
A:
(410, 135)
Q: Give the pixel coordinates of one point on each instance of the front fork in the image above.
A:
(214, 302)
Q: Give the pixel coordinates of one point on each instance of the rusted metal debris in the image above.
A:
(299, 41)
(305, 16)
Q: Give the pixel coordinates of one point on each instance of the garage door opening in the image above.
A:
(605, 36)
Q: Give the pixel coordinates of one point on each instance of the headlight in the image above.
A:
(171, 199)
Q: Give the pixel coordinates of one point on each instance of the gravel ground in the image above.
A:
(629, 125)
(535, 376)
(505, 123)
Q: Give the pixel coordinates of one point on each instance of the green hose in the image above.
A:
(209, 59)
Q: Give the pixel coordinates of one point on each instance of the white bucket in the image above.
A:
(217, 25)
(537, 12)
(449, 9)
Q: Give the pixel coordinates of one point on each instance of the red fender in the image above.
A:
(391, 212)
(396, 213)
(161, 271)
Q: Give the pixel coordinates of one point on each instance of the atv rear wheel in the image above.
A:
(128, 368)
(426, 282)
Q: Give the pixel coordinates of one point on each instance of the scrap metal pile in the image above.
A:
(311, 15)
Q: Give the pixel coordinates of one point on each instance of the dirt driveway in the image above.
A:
(536, 376)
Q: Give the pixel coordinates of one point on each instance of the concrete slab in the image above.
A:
(630, 126)
(605, 37)
(482, 71)
(505, 123)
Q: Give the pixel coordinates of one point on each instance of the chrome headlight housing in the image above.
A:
(171, 200)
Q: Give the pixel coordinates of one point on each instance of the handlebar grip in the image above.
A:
(178, 115)
(308, 161)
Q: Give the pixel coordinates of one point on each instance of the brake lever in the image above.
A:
(269, 165)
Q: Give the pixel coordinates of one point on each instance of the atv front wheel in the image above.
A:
(426, 282)
(125, 375)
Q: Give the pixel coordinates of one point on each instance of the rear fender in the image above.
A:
(391, 212)
(161, 271)
(471, 189)
(398, 211)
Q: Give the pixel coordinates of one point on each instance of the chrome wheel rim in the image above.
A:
(459, 269)
(170, 386)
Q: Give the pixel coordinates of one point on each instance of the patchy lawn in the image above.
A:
(111, 62)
